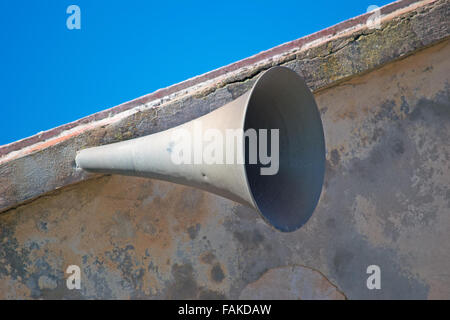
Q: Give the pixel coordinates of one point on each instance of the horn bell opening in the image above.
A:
(281, 100)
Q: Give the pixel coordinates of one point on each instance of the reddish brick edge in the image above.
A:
(330, 31)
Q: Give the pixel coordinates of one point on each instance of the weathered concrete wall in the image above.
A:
(386, 201)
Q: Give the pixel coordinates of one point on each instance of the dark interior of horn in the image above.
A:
(281, 100)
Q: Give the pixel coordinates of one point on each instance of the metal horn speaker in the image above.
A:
(279, 99)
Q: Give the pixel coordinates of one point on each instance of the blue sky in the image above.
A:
(51, 75)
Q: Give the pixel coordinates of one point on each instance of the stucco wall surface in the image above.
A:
(386, 202)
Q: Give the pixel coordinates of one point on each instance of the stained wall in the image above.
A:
(385, 202)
